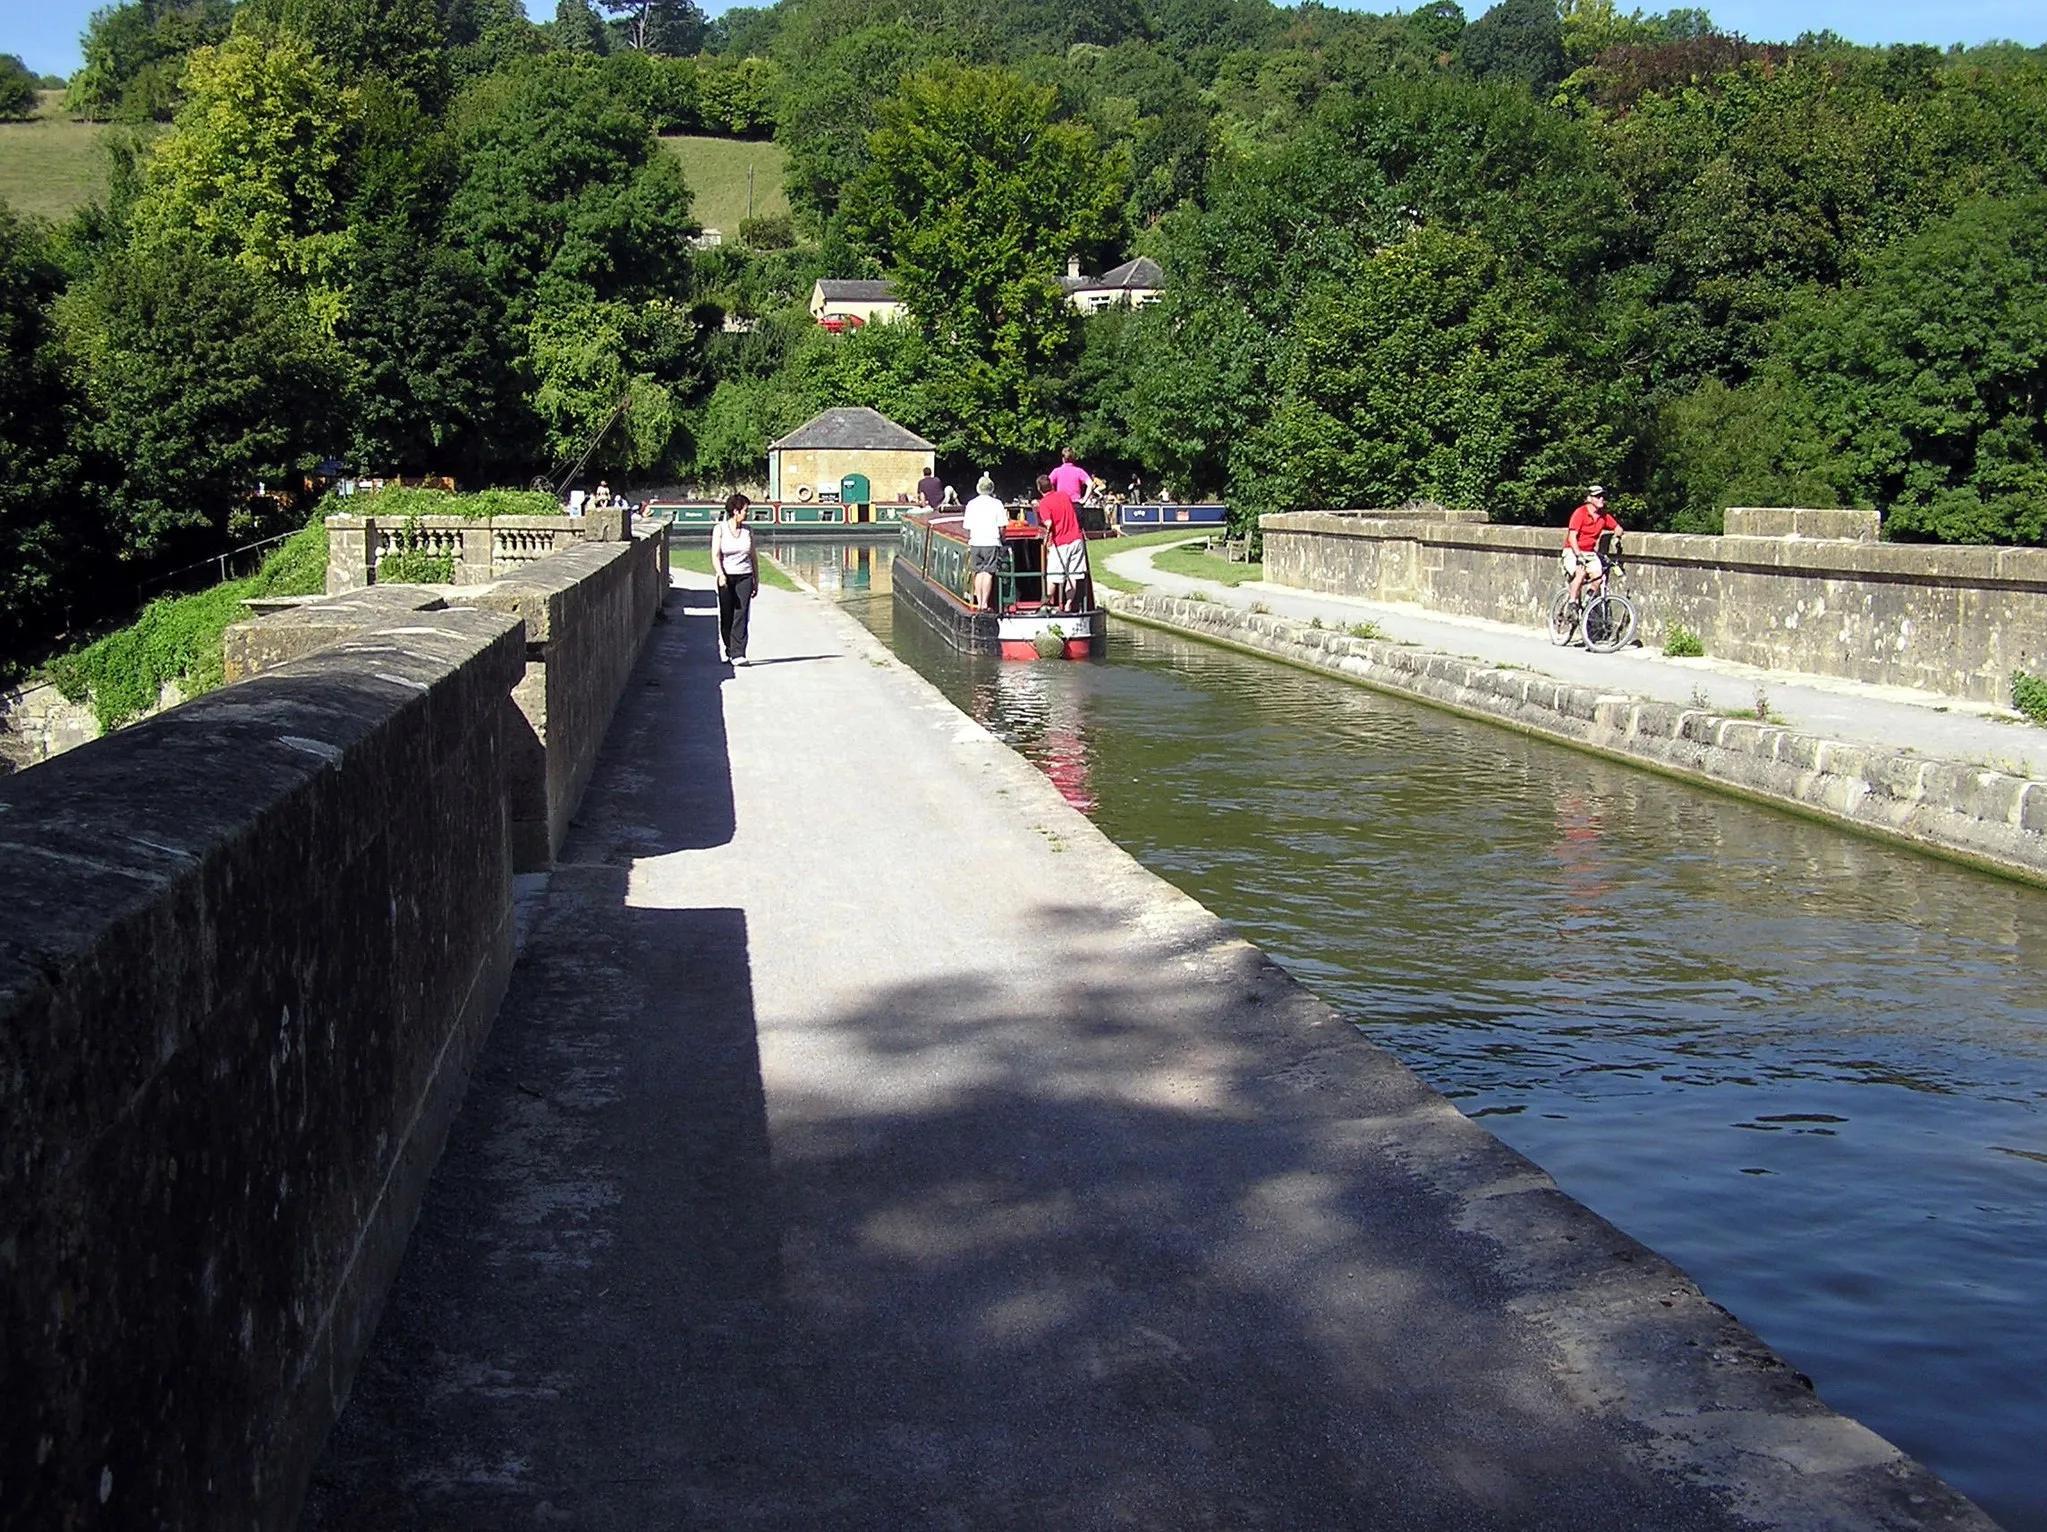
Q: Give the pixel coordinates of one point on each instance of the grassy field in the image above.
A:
(1206, 566)
(716, 171)
(52, 165)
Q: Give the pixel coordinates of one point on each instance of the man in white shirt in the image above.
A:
(983, 520)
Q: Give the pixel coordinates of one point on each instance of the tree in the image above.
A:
(47, 517)
(614, 371)
(256, 166)
(400, 40)
(671, 27)
(1517, 40)
(1924, 390)
(744, 31)
(135, 57)
(1430, 370)
(438, 387)
(1438, 25)
(975, 197)
(202, 377)
(739, 99)
(829, 105)
(18, 89)
(563, 194)
(578, 27)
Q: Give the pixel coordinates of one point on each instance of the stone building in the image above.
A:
(809, 462)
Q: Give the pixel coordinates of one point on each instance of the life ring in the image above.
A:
(805, 493)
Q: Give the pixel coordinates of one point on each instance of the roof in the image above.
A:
(1143, 272)
(855, 290)
(852, 430)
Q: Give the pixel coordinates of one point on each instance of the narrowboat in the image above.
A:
(794, 518)
(1164, 516)
(930, 576)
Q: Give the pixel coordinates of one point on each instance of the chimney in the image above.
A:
(1073, 265)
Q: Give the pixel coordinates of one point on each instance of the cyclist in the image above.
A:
(1588, 524)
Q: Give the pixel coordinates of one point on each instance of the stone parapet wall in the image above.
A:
(1986, 817)
(587, 612)
(1954, 620)
(253, 944)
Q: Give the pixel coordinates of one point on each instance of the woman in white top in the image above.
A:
(738, 576)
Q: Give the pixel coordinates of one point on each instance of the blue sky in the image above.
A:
(45, 32)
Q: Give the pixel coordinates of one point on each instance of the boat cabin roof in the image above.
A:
(952, 524)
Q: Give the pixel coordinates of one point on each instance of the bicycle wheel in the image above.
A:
(1609, 623)
(1563, 618)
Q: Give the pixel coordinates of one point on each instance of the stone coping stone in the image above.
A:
(263, 643)
(1987, 818)
(1787, 521)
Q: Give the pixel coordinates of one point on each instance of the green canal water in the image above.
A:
(1809, 1068)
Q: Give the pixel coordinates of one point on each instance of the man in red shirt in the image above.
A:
(1581, 540)
(1066, 545)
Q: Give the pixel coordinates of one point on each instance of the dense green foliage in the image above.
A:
(1480, 259)
(18, 89)
(176, 642)
(45, 531)
(2029, 695)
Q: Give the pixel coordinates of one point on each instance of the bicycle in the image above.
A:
(1602, 618)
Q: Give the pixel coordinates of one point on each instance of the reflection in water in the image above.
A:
(1810, 1068)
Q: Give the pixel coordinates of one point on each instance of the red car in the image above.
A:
(838, 324)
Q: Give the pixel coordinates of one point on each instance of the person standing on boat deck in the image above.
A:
(1070, 478)
(931, 490)
(1065, 544)
(738, 575)
(983, 521)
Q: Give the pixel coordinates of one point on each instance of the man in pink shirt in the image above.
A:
(1070, 479)
(1066, 544)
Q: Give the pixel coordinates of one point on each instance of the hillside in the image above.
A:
(716, 171)
(51, 165)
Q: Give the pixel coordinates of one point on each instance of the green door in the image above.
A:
(856, 495)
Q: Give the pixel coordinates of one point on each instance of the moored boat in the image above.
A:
(795, 518)
(1155, 516)
(931, 577)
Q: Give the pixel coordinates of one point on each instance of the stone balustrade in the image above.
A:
(479, 551)
(1949, 619)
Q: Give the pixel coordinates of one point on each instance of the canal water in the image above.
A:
(1809, 1068)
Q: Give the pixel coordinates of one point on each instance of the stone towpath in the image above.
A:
(1888, 717)
(866, 1142)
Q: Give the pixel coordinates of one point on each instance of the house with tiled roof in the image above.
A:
(811, 461)
(869, 300)
(1131, 285)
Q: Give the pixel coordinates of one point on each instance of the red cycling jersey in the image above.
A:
(1587, 524)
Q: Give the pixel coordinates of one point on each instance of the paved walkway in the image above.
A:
(868, 1143)
(1894, 717)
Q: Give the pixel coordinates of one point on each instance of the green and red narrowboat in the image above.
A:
(931, 578)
